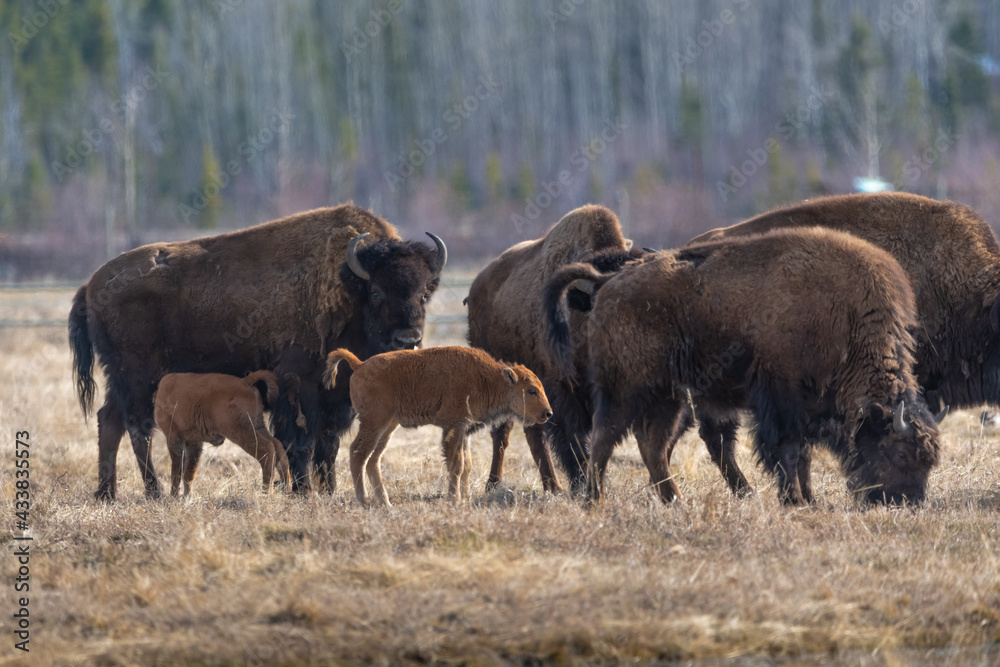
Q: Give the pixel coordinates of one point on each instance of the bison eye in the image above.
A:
(425, 297)
(532, 392)
(901, 455)
(376, 296)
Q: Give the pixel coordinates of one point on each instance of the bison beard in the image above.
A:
(236, 303)
(833, 374)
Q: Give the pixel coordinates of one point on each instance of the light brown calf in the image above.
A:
(194, 408)
(456, 388)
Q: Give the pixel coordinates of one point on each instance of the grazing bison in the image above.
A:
(194, 408)
(952, 259)
(505, 321)
(241, 302)
(807, 328)
(456, 388)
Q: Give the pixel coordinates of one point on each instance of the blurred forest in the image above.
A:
(128, 121)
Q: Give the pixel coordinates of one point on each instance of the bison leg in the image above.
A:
(336, 420)
(603, 443)
(192, 455)
(656, 443)
(453, 442)
(281, 463)
(805, 461)
(140, 431)
(110, 429)
(374, 467)
(719, 436)
(501, 438)
(568, 432)
(175, 445)
(256, 442)
(789, 487)
(361, 450)
(466, 470)
(539, 452)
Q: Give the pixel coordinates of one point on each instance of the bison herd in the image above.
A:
(851, 322)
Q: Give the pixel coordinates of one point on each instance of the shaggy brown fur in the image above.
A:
(233, 303)
(808, 328)
(456, 388)
(505, 321)
(952, 258)
(194, 408)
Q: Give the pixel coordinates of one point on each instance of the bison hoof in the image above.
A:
(105, 495)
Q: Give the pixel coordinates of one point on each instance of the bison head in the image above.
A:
(527, 396)
(893, 452)
(391, 282)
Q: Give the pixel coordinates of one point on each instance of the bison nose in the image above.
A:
(407, 341)
(548, 414)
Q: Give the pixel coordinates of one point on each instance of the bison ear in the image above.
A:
(511, 375)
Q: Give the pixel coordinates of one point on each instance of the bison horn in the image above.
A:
(652, 250)
(941, 415)
(442, 251)
(352, 258)
(585, 286)
(580, 256)
(899, 423)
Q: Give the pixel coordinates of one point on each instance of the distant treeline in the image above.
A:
(122, 121)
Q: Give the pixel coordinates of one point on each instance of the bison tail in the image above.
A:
(557, 337)
(83, 351)
(332, 361)
(269, 379)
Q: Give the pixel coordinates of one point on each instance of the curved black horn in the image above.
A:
(352, 258)
(941, 415)
(652, 250)
(899, 422)
(442, 251)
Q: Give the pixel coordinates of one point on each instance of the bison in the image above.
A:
(505, 321)
(952, 259)
(807, 328)
(456, 388)
(244, 301)
(194, 408)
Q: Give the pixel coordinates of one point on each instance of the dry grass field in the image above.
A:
(234, 576)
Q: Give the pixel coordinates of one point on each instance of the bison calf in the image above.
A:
(194, 408)
(456, 388)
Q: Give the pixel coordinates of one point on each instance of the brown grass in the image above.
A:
(234, 576)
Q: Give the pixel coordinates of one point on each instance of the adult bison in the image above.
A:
(807, 328)
(241, 302)
(505, 308)
(952, 259)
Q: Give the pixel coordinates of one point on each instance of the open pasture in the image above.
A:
(235, 576)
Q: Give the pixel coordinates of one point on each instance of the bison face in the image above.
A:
(527, 395)
(893, 453)
(391, 283)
